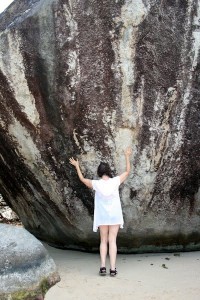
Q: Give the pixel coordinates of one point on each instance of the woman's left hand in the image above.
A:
(128, 151)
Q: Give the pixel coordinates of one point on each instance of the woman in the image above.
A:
(107, 209)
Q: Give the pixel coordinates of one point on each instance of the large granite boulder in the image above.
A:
(26, 269)
(86, 79)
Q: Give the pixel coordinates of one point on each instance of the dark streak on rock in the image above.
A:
(16, 180)
(182, 166)
(158, 56)
(97, 87)
(192, 143)
(7, 93)
(52, 130)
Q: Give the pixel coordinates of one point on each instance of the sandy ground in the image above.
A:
(146, 277)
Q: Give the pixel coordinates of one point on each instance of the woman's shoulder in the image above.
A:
(96, 183)
(116, 180)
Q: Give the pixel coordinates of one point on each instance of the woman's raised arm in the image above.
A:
(75, 163)
(125, 174)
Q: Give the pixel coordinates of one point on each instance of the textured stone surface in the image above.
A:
(7, 215)
(26, 269)
(88, 78)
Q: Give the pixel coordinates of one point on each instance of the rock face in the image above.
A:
(26, 269)
(86, 79)
(7, 215)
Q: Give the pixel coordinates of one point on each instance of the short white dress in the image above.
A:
(107, 205)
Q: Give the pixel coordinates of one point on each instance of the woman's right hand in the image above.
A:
(74, 162)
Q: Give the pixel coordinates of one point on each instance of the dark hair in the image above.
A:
(104, 169)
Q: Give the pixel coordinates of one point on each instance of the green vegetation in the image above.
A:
(29, 294)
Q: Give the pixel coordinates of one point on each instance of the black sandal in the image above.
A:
(113, 272)
(102, 271)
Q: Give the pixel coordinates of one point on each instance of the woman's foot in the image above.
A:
(102, 271)
(113, 272)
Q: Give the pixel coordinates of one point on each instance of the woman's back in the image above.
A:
(106, 187)
(107, 207)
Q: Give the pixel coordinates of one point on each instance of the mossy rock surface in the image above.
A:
(26, 269)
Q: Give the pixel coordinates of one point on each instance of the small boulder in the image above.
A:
(26, 269)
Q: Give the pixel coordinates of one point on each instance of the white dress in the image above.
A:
(107, 205)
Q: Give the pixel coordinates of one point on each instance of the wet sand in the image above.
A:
(165, 276)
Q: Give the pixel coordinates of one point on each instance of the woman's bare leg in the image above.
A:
(103, 244)
(112, 237)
